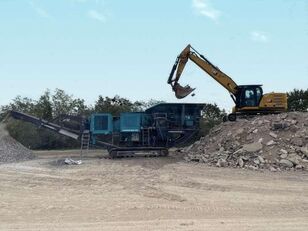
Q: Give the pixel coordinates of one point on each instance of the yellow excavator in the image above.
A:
(248, 99)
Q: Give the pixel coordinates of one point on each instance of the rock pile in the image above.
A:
(10, 149)
(274, 142)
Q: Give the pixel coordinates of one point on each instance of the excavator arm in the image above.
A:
(189, 53)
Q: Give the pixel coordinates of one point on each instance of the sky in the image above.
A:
(107, 47)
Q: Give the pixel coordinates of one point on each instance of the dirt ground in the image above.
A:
(147, 194)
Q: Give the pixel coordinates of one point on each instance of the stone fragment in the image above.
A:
(270, 143)
(241, 162)
(239, 131)
(283, 151)
(256, 161)
(253, 147)
(216, 129)
(251, 167)
(249, 137)
(304, 150)
(204, 159)
(186, 158)
(286, 163)
(283, 156)
(297, 141)
(260, 122)
(261, 159)
(283, 116)
(238, 151)
(299, 166)
(221, 163)
(274, 135)
(294, 158)
(279, 125)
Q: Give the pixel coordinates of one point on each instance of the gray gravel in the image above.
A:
(11, 150)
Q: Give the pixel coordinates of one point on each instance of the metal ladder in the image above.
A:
(146, 137)
(85, 142)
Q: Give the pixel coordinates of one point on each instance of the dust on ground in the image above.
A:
(163, 193)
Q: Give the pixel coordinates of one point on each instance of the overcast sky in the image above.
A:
(107, 47)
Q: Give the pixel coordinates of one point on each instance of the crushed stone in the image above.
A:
(273, 142)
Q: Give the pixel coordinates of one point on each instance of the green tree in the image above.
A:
(212, 115)
(116, 105)
(43, 107)
(24, 104)
(298, 100)
(80, 107)
(62, 103)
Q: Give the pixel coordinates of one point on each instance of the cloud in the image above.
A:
(203, 7)
(40, 11)
(97, 16)
(259, 36)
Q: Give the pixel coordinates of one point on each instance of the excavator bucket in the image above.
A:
(182, 92)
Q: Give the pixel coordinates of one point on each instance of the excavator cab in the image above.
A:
(248, 96)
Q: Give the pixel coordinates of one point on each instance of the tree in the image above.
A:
(212, 115)
(116, 105)
(43, 107)
(80, 107)
(62, 103)
(25, 104)
(211, 112)
(298, 100)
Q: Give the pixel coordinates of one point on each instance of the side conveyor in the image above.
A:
(45, 124)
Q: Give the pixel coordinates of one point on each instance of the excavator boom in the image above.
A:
(189, 53)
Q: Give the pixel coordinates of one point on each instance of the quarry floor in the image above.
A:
(142, 194)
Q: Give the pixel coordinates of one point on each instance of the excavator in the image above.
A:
(248, 99)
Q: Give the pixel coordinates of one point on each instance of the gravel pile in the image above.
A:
(274, 142)
(11, 150)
